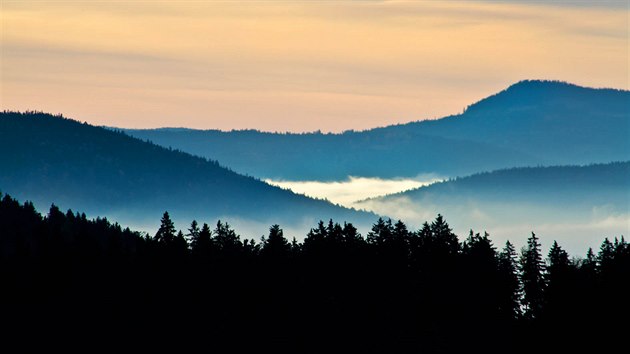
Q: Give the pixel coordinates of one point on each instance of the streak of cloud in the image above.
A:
(294, 66)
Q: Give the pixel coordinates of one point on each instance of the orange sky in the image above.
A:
(295, 65)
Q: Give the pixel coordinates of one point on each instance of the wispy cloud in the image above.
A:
(294, 65)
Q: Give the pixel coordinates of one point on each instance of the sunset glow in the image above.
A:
(295, 65)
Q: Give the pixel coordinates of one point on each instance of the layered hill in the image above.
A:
(556, 122)
(530, 123)
(560, 186)
(567, 203)
(48, 159)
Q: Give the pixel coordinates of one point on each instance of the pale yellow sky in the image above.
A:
(295, 65)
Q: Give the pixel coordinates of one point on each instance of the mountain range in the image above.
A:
(133, 176)
(528, 124)
(558, 186)
(50, 159)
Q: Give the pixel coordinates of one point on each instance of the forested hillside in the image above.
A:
(530, 123)
(568, 186)
(70, 281)
(48, 159)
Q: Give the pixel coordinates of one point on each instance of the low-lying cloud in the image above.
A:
(576, 228)
(348, 192)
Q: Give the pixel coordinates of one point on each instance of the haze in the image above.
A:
(354, 189)
(295, 66)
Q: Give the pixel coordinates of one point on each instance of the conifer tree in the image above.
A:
(166, 232)
(559, 282)
(226, 239)
(606, 254)
(590, 262)
(532, 278)
(193, 233)
(276, 245)
(351, 235)
(202, 244)
(444, 238)
(180, 245)
(558, 261)
(296, 248)
(381, 232)
(509, 299)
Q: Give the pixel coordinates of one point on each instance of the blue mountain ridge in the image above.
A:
(528, 124)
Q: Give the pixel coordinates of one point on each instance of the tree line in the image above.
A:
(394, 290)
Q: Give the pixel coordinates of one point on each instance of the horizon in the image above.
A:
(392, 197)
(379, 172)
(319, 130)
(341, 66)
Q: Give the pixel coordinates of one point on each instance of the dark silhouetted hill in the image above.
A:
(562, 186)
(530, 123)
(47, 159)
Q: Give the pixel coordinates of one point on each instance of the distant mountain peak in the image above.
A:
(538, 83)
(529, 93)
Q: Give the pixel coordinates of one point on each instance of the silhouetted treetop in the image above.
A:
(401, 291)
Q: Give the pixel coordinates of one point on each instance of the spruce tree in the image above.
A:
(202, 244)
(192, 236)
(166, 232)
(558, 261)
(381, 232)
(180, 244)
(444, 238)
(510, 287)
(276, 245)
(226, 239)
(606, 255)
(559, 283)
(532, 278)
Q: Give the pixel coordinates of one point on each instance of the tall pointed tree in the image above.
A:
(559, 262)
(202, 244)
(193, 233)
(560, 286)
(606, 255)
(315, 239)
(444, 238)
(533, 278)
(276, 246)
(510, 286)
(180, 245)
(166, 232)
(351, 236)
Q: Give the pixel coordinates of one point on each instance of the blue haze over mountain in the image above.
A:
(571, 204)
(530, 123)
(554, 186)
(49, 159)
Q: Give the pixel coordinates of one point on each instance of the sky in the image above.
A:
(296, 65)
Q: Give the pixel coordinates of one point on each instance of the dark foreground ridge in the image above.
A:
(73, 283)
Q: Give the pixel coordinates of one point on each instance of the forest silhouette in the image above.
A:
(72, 281)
